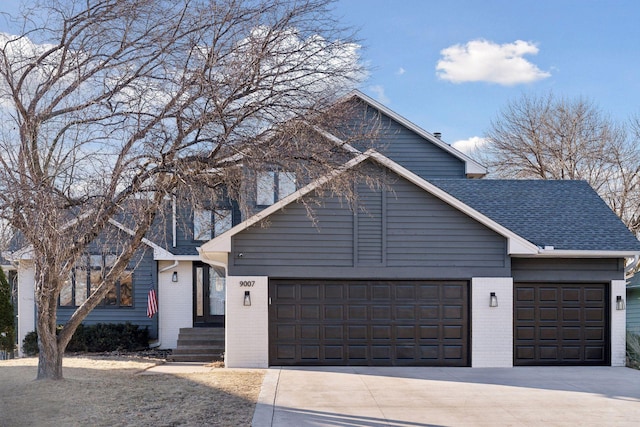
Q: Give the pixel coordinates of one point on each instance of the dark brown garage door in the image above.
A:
(368, 323)
(561, 324)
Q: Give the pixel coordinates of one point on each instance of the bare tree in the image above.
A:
(109, 106)
(546, 137)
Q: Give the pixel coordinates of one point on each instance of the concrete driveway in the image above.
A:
(375, 397)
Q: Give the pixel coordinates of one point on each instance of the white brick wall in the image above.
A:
(26, 301)
(491, 327)
(175, 303)
(618, 324)
(247, 328)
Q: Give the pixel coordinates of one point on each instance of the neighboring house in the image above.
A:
(633, 305)
(436, 268)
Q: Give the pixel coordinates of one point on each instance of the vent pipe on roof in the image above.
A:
(438, 135)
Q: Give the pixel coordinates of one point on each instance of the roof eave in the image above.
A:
(574, 253)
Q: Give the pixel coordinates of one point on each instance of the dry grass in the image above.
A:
(107, 392)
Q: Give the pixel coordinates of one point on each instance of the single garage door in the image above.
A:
(561, 324)
(383, 323)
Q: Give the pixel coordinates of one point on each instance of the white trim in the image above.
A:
(472, 168)
(158, 251)
(567, 253)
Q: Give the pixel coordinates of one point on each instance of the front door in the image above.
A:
(208, 295)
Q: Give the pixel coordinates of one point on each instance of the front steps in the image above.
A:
(199, 345)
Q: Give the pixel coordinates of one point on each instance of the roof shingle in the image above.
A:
(568, 215)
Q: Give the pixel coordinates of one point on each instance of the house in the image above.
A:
(435, 268)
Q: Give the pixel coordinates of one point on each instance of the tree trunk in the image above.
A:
(50, 355)
(49, 362)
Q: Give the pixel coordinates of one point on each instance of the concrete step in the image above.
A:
(199, 345)
(212, 357)
(198, 350)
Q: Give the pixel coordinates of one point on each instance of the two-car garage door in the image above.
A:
(385, 323)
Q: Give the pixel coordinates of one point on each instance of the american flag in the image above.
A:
(152, 303)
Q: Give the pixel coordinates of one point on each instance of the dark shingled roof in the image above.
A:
(568, 215)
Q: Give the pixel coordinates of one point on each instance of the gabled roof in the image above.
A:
(538, 218)
(563, 215)
(516, 244)
(473, 169)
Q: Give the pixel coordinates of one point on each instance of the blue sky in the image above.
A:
(451, 66)
(491, 52)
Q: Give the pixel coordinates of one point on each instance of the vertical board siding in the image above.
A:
(370, 226)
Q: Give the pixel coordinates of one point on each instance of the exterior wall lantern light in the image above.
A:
(174, 277)
(493, 300)
(620, 303)
(247, 299)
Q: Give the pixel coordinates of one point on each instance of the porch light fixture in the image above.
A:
(493, 300)
(247, 299)
(620, 303)
(174, 277)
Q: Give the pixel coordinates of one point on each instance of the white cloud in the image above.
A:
(485, 61)
(400, 71)
(379, 95)
(470, 145)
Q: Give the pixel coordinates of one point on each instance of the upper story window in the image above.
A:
(88, 274)
(208, 223)
(272, 186)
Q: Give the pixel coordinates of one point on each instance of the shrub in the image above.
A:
(97, 338)
(633, 350)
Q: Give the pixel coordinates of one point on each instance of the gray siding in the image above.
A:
(567, 270)
(415, 153)
(633, 310)
(401, 233)
(422, 230)
(144, 275)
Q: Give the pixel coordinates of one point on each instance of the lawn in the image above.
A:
(99, 391)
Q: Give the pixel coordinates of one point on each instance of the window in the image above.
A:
(273, 186)
(88, 274)
(208, 224)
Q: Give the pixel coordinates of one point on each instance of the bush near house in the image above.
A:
(97, 338)
(633, 350)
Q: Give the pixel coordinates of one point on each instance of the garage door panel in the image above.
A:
(405, 312)
(334, 332)
(381, 332)
(379, 312)
(453, 312)
(310, 332)
(378, 323)
(561, 324)
(428, 312)
(453, 292)
(333, 313)
(310, 312)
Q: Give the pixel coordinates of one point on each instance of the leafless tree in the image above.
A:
(109, 106)
(545, 137)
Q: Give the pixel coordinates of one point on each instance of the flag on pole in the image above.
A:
(152, 303)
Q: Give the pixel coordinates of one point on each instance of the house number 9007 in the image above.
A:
(247, 283)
